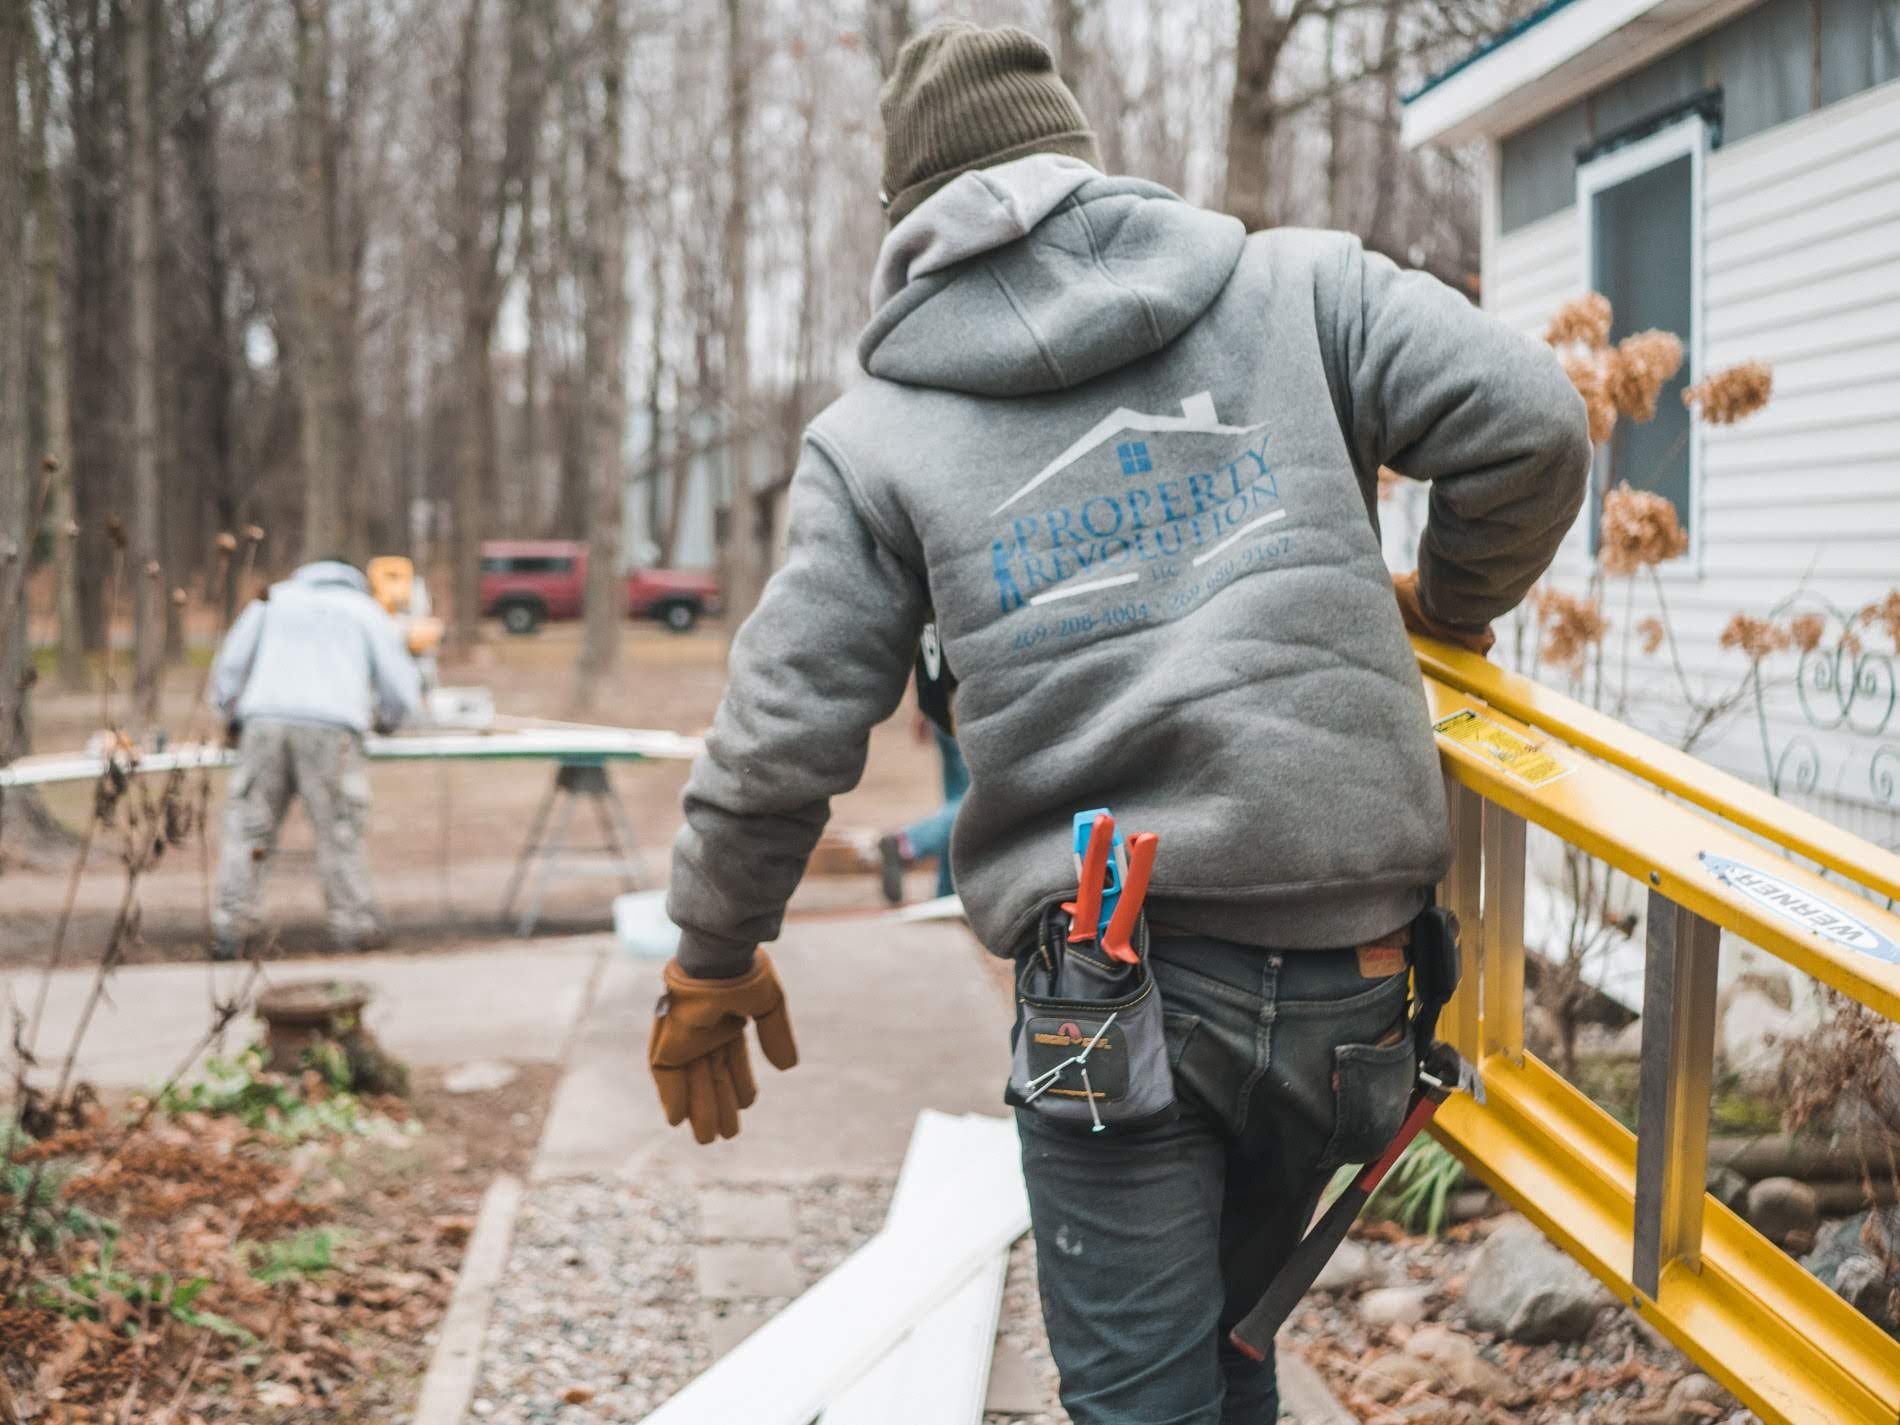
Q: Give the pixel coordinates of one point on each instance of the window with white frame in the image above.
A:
(1641, 207)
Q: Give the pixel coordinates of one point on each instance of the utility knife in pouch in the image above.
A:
(1090, 1049)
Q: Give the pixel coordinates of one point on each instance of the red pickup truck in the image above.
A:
(526, 582)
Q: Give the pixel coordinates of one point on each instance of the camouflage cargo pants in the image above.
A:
(325, 767)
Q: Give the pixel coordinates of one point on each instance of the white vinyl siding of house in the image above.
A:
(1801, 269)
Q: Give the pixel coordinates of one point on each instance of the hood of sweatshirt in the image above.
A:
(330, 571)
(1038, 275)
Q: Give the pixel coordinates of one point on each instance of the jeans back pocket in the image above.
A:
(1372, 1088)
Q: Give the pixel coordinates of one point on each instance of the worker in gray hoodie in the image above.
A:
(305, 671)
(1125, 456)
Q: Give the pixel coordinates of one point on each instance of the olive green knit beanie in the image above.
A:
(962, 97)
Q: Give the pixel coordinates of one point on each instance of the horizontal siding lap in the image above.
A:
(1806, 185)
(1868, 324)
(1802, 520)
(1868, 204)
(1828, 296)
(1819, 258)
(1535, 246)
(1837, 131)
(1850, 401)
(1827, 485)
(1794, 451)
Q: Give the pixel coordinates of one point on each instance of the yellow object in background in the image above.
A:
(391, 580)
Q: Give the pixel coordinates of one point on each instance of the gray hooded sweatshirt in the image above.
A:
(317, 650)
(1126, 456)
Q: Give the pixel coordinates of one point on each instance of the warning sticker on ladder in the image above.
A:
(1512, 751)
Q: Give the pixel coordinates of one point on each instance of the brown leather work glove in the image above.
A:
(1405, 590)
(698, 1053)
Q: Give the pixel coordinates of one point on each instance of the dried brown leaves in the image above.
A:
(1638, 369)
(1805, 630)
(1886, 613)
(1584, 321)
(1587, 373)
(1572, 626)
(1651, 631)
(1756, 637)
(1639, 529)
(1732, 393)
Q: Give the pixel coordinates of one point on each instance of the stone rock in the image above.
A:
(1728, 1187)
(1691, 1392)
(1860, 1235)
(1434, 1411)
(1867, 1286)
(1751, 1035)
(1469, 1204)
(1395, 1305)
(1389, 1376)
(1784, 1210)
(1349, 1269)
(480, 1076)
(1468, 1372)
(1523, 1288)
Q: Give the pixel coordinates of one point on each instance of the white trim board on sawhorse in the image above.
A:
(965, 1205)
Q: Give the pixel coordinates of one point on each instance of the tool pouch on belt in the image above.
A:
(1090, 1051)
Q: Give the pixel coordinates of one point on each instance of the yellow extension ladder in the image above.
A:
(1631, 1207)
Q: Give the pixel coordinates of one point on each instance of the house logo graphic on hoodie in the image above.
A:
(1163, 506)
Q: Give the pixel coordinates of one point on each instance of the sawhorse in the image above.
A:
(572, 780)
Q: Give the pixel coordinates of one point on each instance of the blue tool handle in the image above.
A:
(1083, 824)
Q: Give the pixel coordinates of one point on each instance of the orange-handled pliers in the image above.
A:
(1085, 911)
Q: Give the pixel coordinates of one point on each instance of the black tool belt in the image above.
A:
(1090, 1051)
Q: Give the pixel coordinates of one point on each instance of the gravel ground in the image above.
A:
(600, 1317)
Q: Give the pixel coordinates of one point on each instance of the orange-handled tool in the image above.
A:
(1085, 911)
(1121, 926)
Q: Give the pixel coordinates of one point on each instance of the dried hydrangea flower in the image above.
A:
(1584, 320)
(1639, 528)
(1757, 637)
(1652, 631)
(1639, 368)
(1732, 393)
(1886, 613)
(1806, 631)
(1572, 625)
(1586, 373)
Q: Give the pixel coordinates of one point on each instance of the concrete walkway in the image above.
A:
(889, 1019)
(518, 1002)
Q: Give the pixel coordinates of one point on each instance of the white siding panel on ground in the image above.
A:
(1802, 271)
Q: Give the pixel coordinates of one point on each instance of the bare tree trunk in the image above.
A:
(606, 319)
(1251, 116)
(96, 349)
(1066, 21)
(1388, 173)
(16, 499)
(889, 25)
(744, 544)
(142, 173)
(656, 380)
(325, 522)
(482, 225)
(43, 199)
(529, 506)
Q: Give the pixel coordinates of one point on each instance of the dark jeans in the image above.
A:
(1153, 1245)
